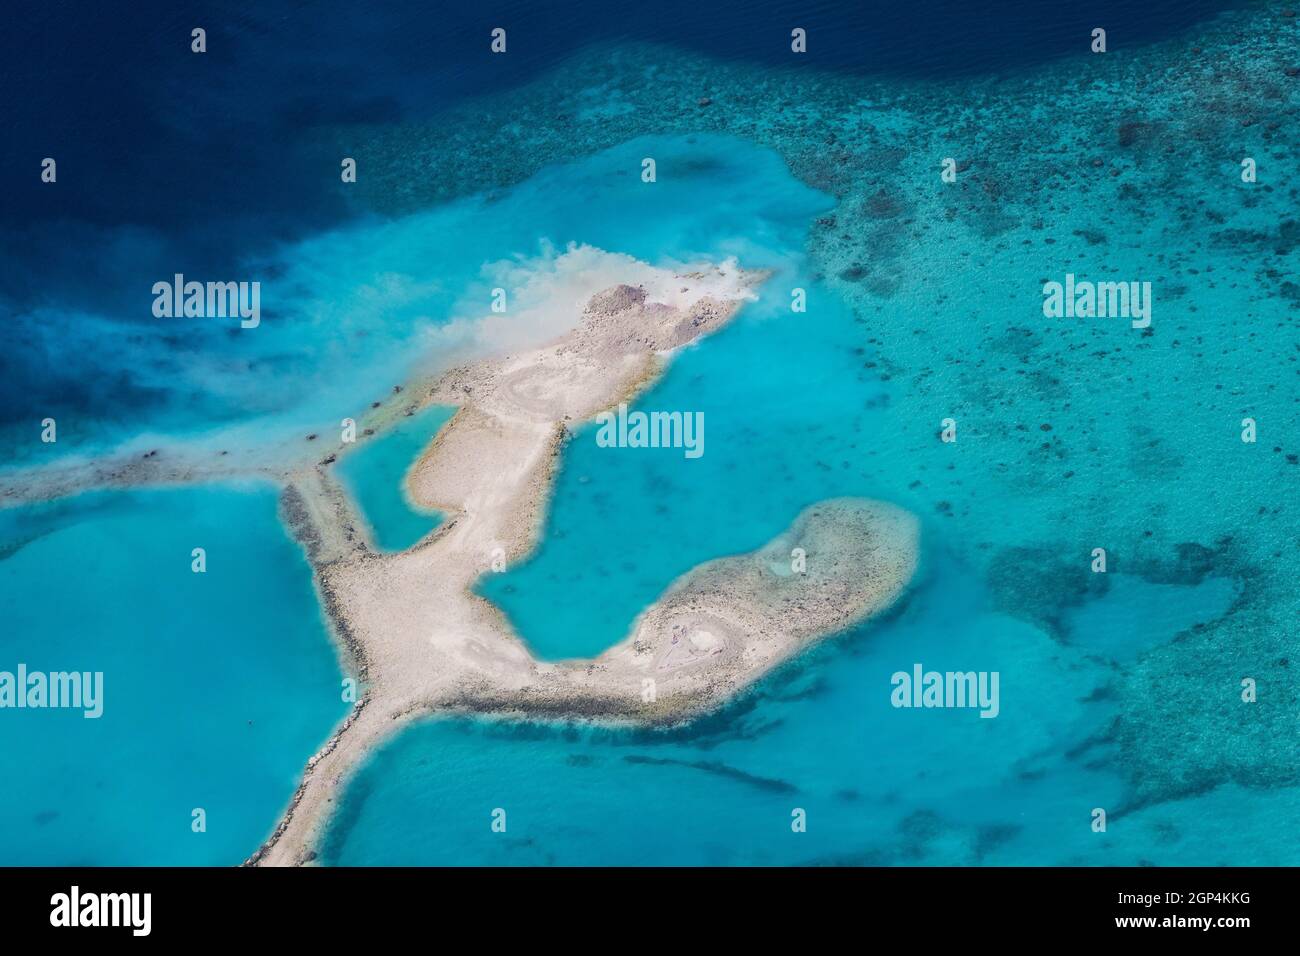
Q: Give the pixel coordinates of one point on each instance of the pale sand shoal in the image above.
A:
(423, 642)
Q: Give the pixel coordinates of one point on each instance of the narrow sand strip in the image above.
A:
(423, 642)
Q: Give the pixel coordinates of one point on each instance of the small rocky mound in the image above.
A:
(617, 298)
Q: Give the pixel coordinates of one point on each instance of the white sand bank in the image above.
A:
(423, 642)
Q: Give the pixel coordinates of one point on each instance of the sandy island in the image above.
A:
(421, 641)
(410, 629)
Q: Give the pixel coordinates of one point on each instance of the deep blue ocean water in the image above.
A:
(175, 162)
(225, 166)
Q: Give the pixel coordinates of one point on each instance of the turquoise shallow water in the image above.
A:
(878, 785)
(358, 309)
(751, 480)
(217, 686)
(1120, 691)
(374, 472)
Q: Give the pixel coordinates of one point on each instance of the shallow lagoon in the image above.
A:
(878, 785)
(374, 474)
(217, 686)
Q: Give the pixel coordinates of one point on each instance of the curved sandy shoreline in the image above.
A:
(409, 627)
(423, 642)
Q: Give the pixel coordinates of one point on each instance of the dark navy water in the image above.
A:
(174, 162)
